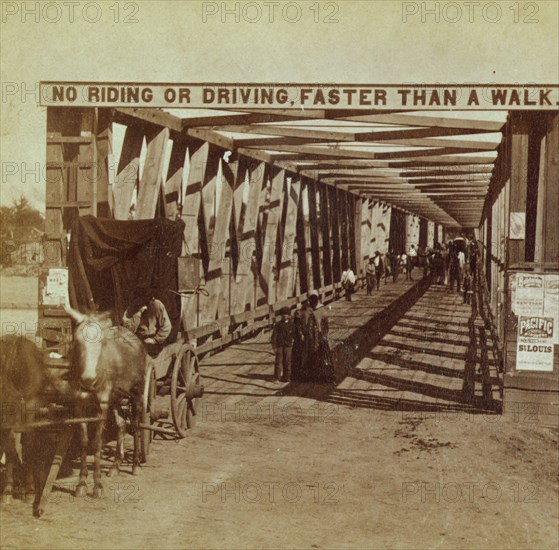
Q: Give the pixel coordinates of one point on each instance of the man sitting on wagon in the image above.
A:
(147, 317)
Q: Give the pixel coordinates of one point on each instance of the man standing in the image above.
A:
(455, 275)
(379, 267)
(412, 259)
(394, 265)
(282, 344)
(348, 283)
(317, 350)
(370, 274)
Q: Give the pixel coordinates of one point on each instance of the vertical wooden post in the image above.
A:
(55, 177)
(127, 171)
(215, 283)
(551, 236)
(430, 234)
(204, 162)
(365, 231)
(344, 227)
(335, 224)
(287, 275)
(243, 286)
(152, 176)
(104, 146)
(355, 235)
(519, 180)
(325, 217)
(270, 252)
(173, 185)
(314, 230)
(383, 227)
(301, 267)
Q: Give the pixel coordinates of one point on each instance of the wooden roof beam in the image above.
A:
(429, 121)
(130, 115)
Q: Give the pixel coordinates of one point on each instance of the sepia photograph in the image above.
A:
(279, 274)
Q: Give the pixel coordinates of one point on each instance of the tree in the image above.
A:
(20, 221)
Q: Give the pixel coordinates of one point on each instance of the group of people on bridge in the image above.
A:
(300, 344)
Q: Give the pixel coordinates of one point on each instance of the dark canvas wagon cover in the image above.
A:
(111, 262)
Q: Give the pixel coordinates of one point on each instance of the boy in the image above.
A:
(282, 343)
(468, 291)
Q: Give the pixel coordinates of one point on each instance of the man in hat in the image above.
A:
(282, 344)
(370, 276)
(378, 265)
(147, 317)
(348, 283)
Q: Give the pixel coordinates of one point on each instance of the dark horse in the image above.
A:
(22, 377)
(109, 363)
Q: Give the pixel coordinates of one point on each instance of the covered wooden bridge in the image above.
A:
(277, 203)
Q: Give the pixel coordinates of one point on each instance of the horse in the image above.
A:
(109, 365)
(22, 377)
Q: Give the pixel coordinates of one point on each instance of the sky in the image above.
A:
(347, 41)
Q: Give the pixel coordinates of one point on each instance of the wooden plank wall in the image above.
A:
(430, 234)
(526, 181)
(262, 234)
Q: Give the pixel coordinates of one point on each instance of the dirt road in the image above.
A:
(369, 465)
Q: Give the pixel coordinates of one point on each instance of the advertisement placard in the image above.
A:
(534, 350)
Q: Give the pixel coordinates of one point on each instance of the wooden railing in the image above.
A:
(228, 330)
(480, 323)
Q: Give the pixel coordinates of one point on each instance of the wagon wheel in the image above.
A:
(148, 402)
(185, 390)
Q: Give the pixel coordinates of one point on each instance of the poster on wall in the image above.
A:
(517, 226)
(551, 301)
(529, 294)
(53, 287)
(534, 350)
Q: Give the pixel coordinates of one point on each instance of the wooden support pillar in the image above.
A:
(382, 228)
(314, 232)
(303, 269)
(246, 280)
(104, 162)
(325, 217)
(175, 172)
(430, 234)
(375, 217)
(217, 246)
(355, 235)
(204, 162)
(335, 225)
(54, 252)
(344, 228)
(519, 180)
(287, 274)
(270, 247)
(423, 233)
(151, 181)
(366, 225)
(412, 231)
(83, 187)
(550, 236)
(127, 172)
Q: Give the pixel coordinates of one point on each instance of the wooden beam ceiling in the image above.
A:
(436, 166)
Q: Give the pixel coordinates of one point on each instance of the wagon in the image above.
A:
(108, 260)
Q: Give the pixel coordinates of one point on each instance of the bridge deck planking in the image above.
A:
(419, 361)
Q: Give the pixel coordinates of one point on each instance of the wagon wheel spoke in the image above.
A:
(184, 382)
